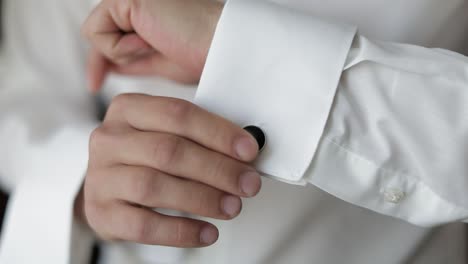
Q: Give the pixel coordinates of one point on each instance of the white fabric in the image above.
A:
(273, 79)
(393, 145)
(36, 199)
(409, 135)
(378, 138)
(45, 120)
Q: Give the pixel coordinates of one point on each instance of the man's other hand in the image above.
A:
(169, 38)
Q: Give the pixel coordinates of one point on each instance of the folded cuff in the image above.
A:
(278, 69)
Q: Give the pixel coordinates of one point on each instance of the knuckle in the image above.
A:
(91, 180)
(181, 236)
(86, 29)
(142, 189)
(218, 168)
(102, 143)
(122, 104)
(90, 25)
(130, 6)
(119, 105)
(93, 206)
(218, 133)
(167, 151)
(141, 230)
(179, 110)
(93, 214)
(121, 101)
(199, 198)
(96, 139)
(146, 187)
(202, 203)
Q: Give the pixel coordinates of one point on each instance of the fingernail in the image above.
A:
(246, 148)
(250, 183)
(208, 235)
(231, 205)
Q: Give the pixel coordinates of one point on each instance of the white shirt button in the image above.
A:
(393, 195)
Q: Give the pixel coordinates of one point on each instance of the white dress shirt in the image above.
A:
(349, 113)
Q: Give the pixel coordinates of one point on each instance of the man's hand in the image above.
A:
(156, 152)
(169, 38)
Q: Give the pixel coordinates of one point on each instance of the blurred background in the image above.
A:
(3, 195)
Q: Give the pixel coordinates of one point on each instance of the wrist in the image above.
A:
(213, 13)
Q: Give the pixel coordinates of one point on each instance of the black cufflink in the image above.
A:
(258, 134)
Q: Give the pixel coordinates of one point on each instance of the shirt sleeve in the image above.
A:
(46, 117)
(381, 125)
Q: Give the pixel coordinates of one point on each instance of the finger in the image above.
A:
(97, 68)
(179, 157)
(129, 48)
(98, 65)
(101, 29)
(122, 221)
(121, 49)
(155, 189)
(179, 117)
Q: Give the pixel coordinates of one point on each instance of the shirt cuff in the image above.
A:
(276, 68)
(39, 219)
